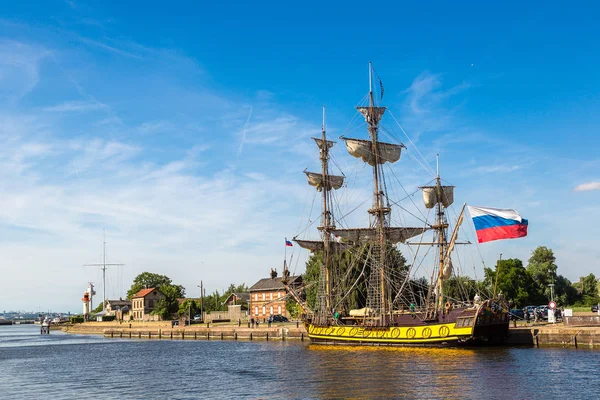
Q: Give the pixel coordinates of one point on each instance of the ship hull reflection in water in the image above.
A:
(408, 372)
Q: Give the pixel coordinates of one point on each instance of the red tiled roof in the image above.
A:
(143, 293)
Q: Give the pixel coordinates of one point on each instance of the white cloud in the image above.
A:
(75, 106)
(19, 68)
(503, 168)
(584, 187)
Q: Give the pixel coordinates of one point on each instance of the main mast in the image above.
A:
(380, 212)
(325, 223)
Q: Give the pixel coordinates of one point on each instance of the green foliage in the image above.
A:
(515, 282)
(167, 306)
(293, 308)
(588, 286)
(78, 319)
(542, 268)
(564, 292)
(348, 267)
(108, 318)
(164, 309)
(189, 306)
(97, 309)
(152, 280)
(463, 288)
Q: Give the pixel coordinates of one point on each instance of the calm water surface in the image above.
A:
(61, 366)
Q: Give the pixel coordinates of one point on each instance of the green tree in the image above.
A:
(542, 268)
(167, 306)
(189, 306)
(589, 290)
(347, 268)
(98, 309)
(293, 308)
(564, 291)
(514, 281)
(463, 288)
(151, 280)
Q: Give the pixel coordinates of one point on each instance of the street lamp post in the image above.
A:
(201, 300)
(551, 285)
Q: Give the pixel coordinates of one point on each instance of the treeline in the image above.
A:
(528, 285)
(170, 306)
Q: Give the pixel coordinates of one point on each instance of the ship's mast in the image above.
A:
(326, 217)
(441, 228)
(378, 210)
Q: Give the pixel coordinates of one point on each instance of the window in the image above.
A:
(264, 310)
(278, 309)
(256, 310)
(263, 296)
(256, 297)
(271, 310)
(271, 296)
(278, 295)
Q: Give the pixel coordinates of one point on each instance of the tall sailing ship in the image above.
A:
(365, 294)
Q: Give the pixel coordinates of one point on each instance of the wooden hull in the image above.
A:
(460, 327)
(432, 335)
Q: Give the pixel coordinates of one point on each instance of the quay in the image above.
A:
(534, 335)
(163, 330)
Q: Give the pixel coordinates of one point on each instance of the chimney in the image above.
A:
(273, 273)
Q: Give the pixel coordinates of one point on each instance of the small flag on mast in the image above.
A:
(288, 243)
(380, 83)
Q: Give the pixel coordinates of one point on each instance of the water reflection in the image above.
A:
(393, 371)
(123, 369)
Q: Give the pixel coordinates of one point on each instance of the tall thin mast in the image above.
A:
(326, 215)
(441, 235)
(103, 267)
(378, 210)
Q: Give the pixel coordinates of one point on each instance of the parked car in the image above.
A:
(530, 310)
(197, 317)
(517, 314)
(542, 312)
(279, 318)
(595, 308)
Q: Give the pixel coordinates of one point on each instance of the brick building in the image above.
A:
(267, 296)
(143, 302)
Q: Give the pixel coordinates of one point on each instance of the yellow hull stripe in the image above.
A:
(402, 334)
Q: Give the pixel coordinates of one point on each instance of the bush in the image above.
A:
(108, 318)
(77, 319)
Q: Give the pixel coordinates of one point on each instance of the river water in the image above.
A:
(61, 366)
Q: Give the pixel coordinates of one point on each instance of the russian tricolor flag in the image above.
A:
(288, 243)
(497, 223)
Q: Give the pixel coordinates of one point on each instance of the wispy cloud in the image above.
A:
(75, 106)
(584, 187)
(19, 68)
(502, 168)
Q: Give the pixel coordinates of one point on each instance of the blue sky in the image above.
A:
(182, 129)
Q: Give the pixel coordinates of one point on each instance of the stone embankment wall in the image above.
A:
(555, 335)
(163, 330)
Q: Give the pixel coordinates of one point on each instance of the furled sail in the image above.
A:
(359, 148)
(447, 269)
(331, 181)
(363, 235)
(372, 114)
(318, 245)
(320, 143)
(433, 195)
